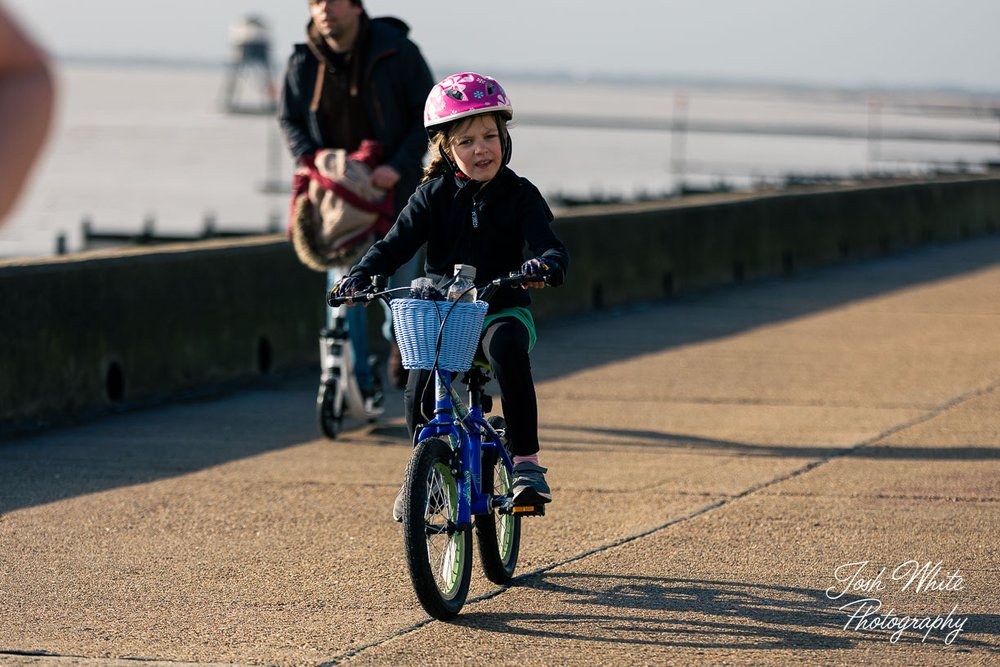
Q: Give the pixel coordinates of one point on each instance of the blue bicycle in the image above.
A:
(460, 474)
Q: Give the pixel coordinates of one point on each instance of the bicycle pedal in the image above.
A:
(528, 510)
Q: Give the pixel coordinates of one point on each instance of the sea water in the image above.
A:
(149, 147)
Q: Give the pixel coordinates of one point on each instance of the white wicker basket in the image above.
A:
(417, 323)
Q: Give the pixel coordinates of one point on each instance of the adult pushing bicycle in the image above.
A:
(470, 211)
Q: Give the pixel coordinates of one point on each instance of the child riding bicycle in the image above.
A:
(471, 208)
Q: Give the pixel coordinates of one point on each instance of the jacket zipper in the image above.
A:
(477, 205)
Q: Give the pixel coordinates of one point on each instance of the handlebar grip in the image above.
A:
(333, 300)
(517, 279)
(363, 295)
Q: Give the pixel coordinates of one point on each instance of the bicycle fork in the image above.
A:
(467, 445)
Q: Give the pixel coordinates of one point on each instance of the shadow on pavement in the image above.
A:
(692, 613)
(613, 335)
(655, 439)
(145, 445)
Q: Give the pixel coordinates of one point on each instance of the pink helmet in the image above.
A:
(463, 95)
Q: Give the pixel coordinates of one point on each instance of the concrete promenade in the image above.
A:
(724, 467)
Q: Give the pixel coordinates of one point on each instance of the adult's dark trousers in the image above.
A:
(505, 344)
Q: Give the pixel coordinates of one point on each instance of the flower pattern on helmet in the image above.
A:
(464, 94)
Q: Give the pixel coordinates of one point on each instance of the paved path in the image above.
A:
(718, 464)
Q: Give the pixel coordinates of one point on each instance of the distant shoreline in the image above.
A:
(600, 78)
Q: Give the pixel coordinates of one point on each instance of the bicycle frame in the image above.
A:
(456, 423)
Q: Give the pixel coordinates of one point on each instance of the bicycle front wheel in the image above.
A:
(498, 535)
(438, 553)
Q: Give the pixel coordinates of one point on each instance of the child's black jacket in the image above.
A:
(461, 223)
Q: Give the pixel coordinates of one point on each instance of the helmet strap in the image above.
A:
(506, 145)
(452, 164)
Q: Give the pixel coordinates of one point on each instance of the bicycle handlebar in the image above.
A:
(367, 295)
(514, 279)
(376, 291)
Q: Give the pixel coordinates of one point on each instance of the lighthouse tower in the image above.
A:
(249, 84)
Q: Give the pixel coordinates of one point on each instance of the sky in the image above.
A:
(852, 43)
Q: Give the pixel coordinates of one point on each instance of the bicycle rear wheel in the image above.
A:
(438, 554)
(498, 535)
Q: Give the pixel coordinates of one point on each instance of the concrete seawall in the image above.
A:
(91, 331)
(626, 254)
(84, 333)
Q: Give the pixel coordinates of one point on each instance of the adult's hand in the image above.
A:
(385, 177)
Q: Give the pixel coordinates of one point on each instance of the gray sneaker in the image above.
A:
(397, 507)
(529, 485)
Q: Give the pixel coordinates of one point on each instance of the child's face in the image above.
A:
(475, 147)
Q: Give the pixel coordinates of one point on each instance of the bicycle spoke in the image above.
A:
(442, 541)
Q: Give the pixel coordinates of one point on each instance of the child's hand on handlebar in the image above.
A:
(536, 270)
(347, 286)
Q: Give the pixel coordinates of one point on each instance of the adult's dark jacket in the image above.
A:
(395, 81)
(464, 222)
